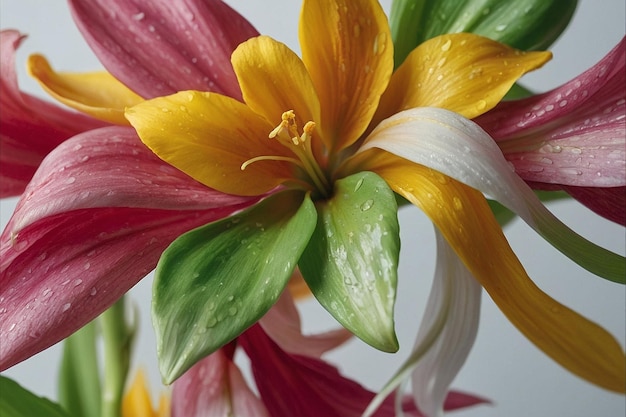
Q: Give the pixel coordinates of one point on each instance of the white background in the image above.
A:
(503, 365)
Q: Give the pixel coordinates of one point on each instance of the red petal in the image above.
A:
(159, 47)
(30, 128)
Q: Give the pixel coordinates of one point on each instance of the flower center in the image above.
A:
(300, 145)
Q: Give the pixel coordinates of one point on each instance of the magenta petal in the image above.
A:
(93, 222)
(29, 127)
(573, 135)
(292, 384)
(214, 387)
(159, 47)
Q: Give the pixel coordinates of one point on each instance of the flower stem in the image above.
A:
(117, 337)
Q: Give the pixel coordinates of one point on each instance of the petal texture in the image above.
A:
(159, 47)
(573, 135)
(177, 128)
(91, 242)
(346, 46)
(440, 73)
(97, 93)
(29, 127)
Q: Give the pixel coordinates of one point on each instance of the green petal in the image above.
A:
(214, 282)
(522, 24)
(351, 261)
(16, 401)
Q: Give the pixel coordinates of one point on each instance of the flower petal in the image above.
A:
(159, 47)
(177, 128)
(459, 148)
(137, 402)
(30, 127)
(274, 80)
(436, 370)
(572, 135)
(96, 93)
(291, 384)
(215, 387)
(446, 335)
(346, 46)
(84, 238)
(465, 220)
(282, 324)
(462, 72)
(607, 202)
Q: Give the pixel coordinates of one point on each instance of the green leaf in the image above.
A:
(214, 282)
(16, 401)
(352, 259)
(79, 376)
(522, 24)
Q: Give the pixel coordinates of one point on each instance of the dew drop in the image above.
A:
(367, 204)
(93, 291)
(358, 184)
(78, 282)
(66, 306)
(211, 322)
(232, 311)
(446, 46)
(70, 180)
(139, 16)
(458, 204)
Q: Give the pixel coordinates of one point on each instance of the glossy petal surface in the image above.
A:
(190, 40)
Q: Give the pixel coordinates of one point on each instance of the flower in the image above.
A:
(572, 137)
(349, 132)
(137, 402)
(101, 208)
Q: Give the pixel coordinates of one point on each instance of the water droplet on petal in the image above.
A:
(367, 204)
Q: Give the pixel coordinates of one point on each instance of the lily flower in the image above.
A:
(101, 208)
(573, 137)
(331, 136)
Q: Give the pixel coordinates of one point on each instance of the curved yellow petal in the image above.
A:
(97, 94)
(209, 136)
(464, 218)
(273, 80)
(136, 402)
(347, 48)
(462, 72)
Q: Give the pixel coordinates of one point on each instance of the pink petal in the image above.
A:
(282, 324)
(88, 229)
(159, 47)
(572, 135)
(304, 386)
(30, 128)
(215, 387)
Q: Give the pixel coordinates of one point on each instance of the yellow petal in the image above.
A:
(136, 402)
(209, 136)
(346, 46)
(97, 94)
(274, 80)
(462, 72)
(464, 218)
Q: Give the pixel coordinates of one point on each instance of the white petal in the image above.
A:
(435, 371)
(455, 146)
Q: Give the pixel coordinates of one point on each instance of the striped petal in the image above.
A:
(346, 46)
(93, 222)
(462, 72)
(29, 127)
(159, 47)
(459, 148)
(464, 218)
(209, 137)
(97, 94)
(572, 135)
